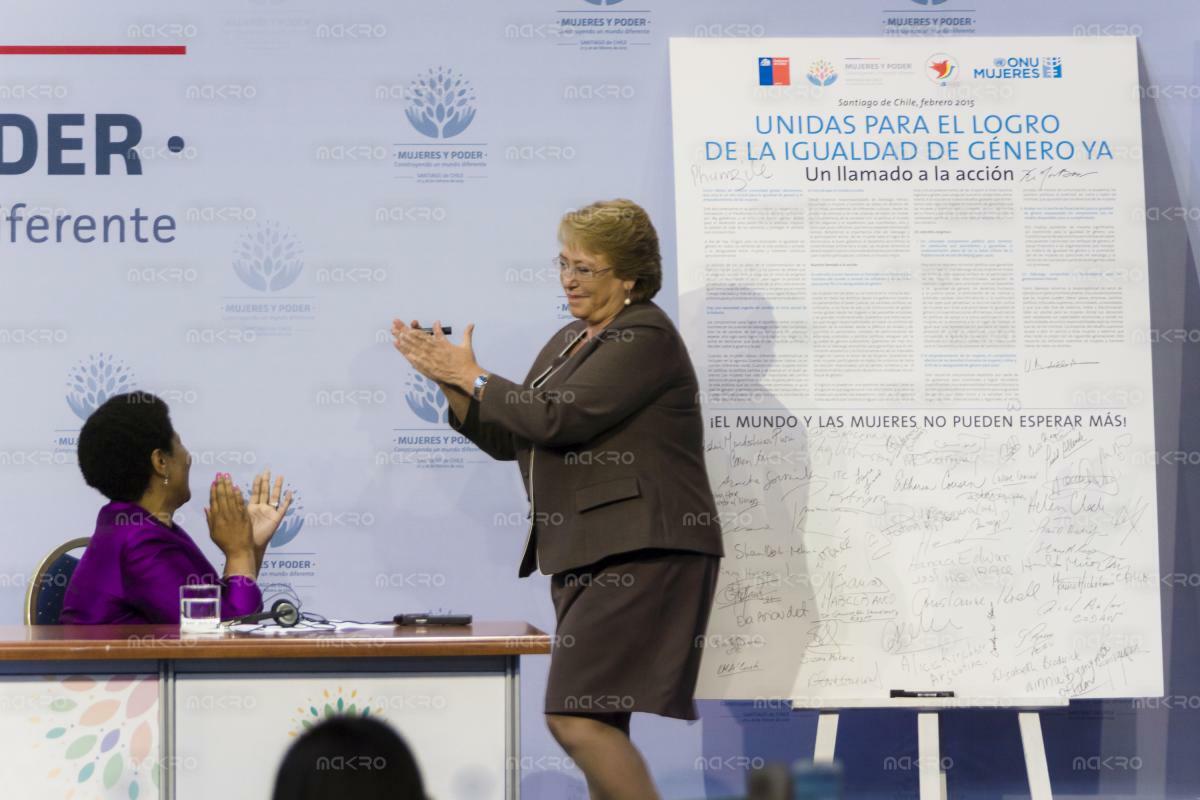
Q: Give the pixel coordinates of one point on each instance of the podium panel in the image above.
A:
(232, 729)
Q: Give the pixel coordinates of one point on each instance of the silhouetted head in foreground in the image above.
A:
(349, 757)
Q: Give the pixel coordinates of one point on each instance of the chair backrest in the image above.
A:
(48, 585)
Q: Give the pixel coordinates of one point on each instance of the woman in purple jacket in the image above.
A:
(138, 558)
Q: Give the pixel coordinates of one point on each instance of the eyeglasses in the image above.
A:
(584, 273)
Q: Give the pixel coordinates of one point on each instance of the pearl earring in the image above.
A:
(626, 297)
(166, 480)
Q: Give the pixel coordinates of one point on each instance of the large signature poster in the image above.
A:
(913, 280)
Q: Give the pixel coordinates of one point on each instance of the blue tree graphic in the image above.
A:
(268, 258)
(441, 103)
(426, 400)
(92, 381)
(293, 521)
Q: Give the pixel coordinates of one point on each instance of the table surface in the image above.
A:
(132, 642)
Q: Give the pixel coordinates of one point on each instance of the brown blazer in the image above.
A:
(611, 440)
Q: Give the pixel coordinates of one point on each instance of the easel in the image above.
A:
(929, 759)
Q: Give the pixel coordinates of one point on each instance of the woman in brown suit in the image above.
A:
(607, 431)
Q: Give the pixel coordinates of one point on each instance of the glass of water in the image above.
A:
(199, 608)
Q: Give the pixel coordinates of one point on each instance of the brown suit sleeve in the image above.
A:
(494, 440)
(625, 373)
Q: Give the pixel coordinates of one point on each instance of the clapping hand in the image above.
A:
(266, 510)
(228, 522)
(436, 357)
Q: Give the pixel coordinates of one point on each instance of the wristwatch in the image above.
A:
(480, 383)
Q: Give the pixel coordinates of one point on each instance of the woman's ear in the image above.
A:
(158, 463)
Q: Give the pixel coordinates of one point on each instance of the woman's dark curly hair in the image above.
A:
(349, 756)
(116, 442)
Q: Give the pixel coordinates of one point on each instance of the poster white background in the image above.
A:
(915, 280)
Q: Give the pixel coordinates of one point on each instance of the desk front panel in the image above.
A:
(232, 729)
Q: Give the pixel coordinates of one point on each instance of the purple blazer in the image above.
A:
(133, 567)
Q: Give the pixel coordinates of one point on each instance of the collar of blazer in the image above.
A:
(559, 366)
(637, 315)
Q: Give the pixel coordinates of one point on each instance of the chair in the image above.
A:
(48, 586)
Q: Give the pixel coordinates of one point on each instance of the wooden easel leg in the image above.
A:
(827, 723)
(1035, 755)
(929, 756)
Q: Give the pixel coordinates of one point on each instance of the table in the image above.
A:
(137, 711)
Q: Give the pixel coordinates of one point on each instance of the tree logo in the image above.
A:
(426, 400)
(95, 379)
(292, 522)
(822, 73)
(441, 103)
(268, 258)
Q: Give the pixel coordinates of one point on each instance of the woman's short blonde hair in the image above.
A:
(621, 232)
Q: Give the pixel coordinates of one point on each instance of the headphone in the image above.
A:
(284, 613)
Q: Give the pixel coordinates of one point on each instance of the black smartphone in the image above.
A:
(432, 619)
(446, 329)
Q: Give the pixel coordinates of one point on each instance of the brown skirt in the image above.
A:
(630, 633)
